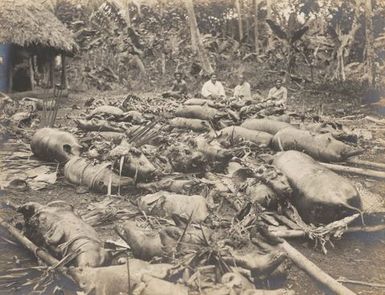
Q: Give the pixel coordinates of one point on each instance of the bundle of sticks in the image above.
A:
(51, 106)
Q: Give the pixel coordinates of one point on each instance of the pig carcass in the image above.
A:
(266, 125)
(180, 185)
(199, 112)
(154, 286)
(132, 162)
(323, 147)
(200, 102)
(236, 134)
(54, 145)
(212, 151)
(144, 245)
(96, 177)
(113, 280)
(100, 125)
(190, 124)
(184, 158)
(321, 196)
(165, 204)
(63, 232)
(106, 110)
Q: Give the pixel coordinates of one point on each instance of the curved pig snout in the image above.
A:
(72, 149)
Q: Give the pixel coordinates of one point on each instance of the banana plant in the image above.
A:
(290, 34)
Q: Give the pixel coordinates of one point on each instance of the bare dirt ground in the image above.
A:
(356, 256)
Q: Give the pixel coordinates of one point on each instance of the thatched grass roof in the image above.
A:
(28, 24)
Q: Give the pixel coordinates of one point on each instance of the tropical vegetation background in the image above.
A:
(321, 44)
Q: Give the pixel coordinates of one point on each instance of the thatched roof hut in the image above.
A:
(31, 37)
(28, 24)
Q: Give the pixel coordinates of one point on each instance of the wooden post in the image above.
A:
(51, 72)
(63, 72)
(31, 75)
(10, 73)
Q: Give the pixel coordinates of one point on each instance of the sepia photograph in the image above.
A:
(192, 147)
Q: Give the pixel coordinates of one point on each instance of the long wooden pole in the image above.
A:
(367, 163)
(354, 170)
(314, 271)
(39, 252)
(298, 233)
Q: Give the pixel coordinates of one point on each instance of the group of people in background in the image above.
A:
(213, 89)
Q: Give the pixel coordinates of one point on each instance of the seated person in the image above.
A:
(242, 90)
(278, 93)
(179, 87)
(213, 89)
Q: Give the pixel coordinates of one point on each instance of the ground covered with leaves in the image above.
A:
(358, 256)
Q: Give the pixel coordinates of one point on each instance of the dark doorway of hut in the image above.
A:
(33, 72)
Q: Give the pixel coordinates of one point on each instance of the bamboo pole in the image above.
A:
(354, 170)
(314, 271)
(39, 252)
(366, 163)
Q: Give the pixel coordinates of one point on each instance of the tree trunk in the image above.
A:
(268, 16)
(240, 25)
(256, 33)
(369, 40)
(195, 37)
(163, 42)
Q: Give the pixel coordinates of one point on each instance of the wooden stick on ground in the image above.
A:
(314, 271)
(40, 253)
(345, 280)
(298, 233)
(354, 170)
(367, 163)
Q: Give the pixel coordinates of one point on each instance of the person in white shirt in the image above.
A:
(242, 90)
(213, 88)
(278, 93)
